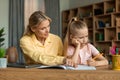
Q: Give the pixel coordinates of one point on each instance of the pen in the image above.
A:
(98, 56)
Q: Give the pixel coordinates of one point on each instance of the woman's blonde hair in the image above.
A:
(73, 26)
(35, 19)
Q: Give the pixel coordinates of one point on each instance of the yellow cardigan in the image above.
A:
(49, 54)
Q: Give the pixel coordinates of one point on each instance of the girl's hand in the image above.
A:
(91, 62)
(75, 42)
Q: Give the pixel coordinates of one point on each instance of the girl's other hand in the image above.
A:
(91, 62)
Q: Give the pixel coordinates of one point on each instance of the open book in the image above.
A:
(80, 67)
(40, 66)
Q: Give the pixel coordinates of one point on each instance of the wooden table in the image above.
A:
(58, 74)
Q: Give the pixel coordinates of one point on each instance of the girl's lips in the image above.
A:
(84, 43)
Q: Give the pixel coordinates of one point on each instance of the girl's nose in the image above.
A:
(85, 40)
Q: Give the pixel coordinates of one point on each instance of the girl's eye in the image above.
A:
(80, 37)
(83, 37)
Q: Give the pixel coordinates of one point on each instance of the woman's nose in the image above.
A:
(47, 29)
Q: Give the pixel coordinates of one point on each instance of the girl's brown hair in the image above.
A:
(73, 26)
(35, 19)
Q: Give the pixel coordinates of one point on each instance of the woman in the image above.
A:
(40, 46)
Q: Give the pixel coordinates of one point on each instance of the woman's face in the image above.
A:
(42, 31)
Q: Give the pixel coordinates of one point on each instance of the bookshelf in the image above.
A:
(103, 20)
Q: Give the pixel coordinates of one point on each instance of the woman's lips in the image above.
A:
(46, 34)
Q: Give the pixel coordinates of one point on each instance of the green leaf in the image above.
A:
(1, 44)
(1, 36)
(2, 39)
(2, 52)
(1, 30)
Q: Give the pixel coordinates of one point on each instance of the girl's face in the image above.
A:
(82, 36)
(42, 31)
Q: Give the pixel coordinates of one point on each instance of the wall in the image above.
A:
(4, 11)
(68, 4)
(78, 3)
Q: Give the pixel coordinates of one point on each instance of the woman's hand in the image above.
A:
(70, 62)
(91, 62)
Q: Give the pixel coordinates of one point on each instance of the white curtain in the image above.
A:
(30, 7)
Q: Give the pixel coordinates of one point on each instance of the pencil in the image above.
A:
(98, 56)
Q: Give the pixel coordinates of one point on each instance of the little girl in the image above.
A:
(77, 46)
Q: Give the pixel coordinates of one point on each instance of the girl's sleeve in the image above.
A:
(94, 51)
(70, 51)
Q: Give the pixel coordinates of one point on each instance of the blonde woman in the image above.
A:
(38, 45)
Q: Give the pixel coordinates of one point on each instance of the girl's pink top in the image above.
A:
(84, 54)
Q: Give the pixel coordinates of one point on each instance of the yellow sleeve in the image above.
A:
(38, 56)
(60, 48)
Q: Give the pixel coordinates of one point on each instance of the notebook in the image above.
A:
(80, 67)
(39, 66)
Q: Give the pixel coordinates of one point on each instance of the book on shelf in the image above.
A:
(40, 66)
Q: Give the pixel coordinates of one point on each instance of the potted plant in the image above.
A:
(3, 59)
